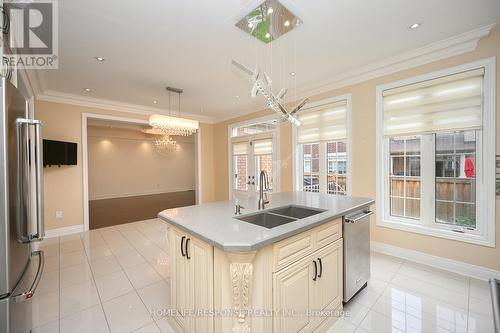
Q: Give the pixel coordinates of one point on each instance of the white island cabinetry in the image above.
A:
(293, 285)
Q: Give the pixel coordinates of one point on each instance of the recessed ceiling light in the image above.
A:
(268, 35)
(414, 26)
(155, 102)
(287, 23)
(293, 73)
(270, 10)
(237, 96)
(99, 58)
(87, 89)
(250, 25)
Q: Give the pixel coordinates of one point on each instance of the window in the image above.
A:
(336, 156)
(436, 137)
(456, 178)
(322, 147)
(255, 128)
(311, 167)
(405, 177)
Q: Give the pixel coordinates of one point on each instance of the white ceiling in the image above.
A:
(189, 44)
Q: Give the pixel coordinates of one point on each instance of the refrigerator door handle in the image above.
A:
(40, 234)
(20, 297)
(24, 162)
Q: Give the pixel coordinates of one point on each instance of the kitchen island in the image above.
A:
(280, 271)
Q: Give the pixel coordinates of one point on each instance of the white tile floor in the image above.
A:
(105, 280)
(108, 280)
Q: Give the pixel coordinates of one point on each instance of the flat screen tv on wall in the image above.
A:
(59, 153)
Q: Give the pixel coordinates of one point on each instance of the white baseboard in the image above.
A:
(73, 229)
(459, 267)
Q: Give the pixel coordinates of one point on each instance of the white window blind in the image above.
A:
(452, 102)
(324, 123)
(240, 148)
(263, 147)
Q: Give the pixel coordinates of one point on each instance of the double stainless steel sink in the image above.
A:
(275, 217)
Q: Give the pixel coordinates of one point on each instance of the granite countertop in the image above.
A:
(216, 223)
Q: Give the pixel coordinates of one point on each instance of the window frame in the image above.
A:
(484, 234)
(297, 151)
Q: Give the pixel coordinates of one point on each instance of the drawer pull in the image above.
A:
(182, 245)
(187, 245)
(320, 268)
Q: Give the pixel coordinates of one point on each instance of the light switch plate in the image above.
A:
(59, 214)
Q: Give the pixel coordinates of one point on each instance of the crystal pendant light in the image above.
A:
(170, 125)
(165, 144)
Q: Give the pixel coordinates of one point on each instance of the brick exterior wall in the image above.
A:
(241, 169)
(266, 163)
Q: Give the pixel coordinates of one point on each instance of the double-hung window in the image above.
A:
(436, 136)
(322, 147)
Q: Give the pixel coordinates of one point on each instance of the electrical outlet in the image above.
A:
(59, 214)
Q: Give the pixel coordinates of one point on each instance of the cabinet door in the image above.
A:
(179, 278)
(201, 284)
(328, 288)
(293, 289)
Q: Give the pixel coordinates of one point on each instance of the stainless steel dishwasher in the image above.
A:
(356, 233)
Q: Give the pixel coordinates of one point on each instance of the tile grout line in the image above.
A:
(72, 285)
(95, 283)
(135, 289)
(152, 317)
(428, 313)
(370, 308)
(145, 259)
(358, 326)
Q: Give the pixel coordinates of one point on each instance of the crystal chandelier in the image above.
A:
(173, 125)
(169, 125)
(166, 144)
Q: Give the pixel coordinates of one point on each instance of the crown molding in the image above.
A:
(97, 103)
(446, 48)
(449, 47)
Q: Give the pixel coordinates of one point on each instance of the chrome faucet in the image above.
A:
(263, 182)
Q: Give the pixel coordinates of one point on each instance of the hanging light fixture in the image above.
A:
(165, 144)
(170, 125)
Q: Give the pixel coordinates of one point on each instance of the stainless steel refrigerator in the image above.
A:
(21, 210)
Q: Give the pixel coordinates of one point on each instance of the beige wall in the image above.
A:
(363, 158)
(63, 187)
(125, 163)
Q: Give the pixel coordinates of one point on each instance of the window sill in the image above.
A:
(434, 232)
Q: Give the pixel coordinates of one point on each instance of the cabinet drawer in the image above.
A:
(328, 233)
(297, 247)
(292, 249)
